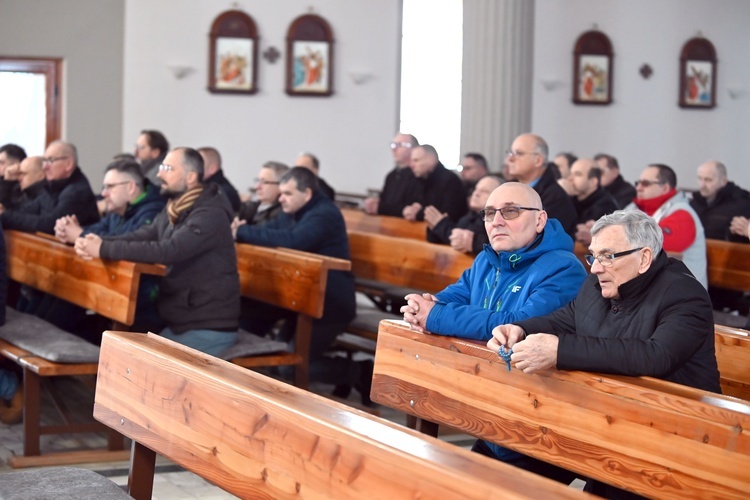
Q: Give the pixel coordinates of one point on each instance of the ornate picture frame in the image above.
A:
(309, 57)
(698, 74)
(592, 69)
(233, 54)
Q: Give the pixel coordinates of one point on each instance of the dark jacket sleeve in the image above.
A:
(441, 232)
(41, 214)
(282, 232)
(189, 239)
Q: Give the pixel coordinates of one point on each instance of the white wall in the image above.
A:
(348, 131)
(89, 37)
(644, 123)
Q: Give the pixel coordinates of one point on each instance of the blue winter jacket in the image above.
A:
(508, 287)
(143, 211)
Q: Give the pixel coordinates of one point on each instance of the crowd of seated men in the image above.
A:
(175, 207)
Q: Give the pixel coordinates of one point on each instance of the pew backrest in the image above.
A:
(653, 437)
(733, 357)
(406, 262)
(357, 220)
(728, 264)
(107, 287)
(256, 437)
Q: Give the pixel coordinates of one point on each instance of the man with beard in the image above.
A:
(199, 298)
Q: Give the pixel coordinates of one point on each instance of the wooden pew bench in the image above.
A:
(357, 220)
(658, 439)
(43, 351)
(733, 356)
(293, 280)
(388, 266)
(256, 437)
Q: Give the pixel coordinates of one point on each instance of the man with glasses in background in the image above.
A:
(528, 269)
(473, 167)
(639, 313)
(527, 163)
(658, 197)
(67, 193)
(265, 206)
(401, 187)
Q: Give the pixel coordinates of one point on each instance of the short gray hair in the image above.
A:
(640, 229)
(277, 167)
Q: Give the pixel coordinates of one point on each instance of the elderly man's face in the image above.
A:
(510, 235)
(709, 180)
(58, 162)
(267, 186)
(609, 241)
(482, 192)
(401, 148)
(523, 161)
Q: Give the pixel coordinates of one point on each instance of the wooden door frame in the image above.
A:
(52, 69)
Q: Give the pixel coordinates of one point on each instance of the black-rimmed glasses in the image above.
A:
(606, 260)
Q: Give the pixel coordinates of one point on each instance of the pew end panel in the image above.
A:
(259, 438)
(645, 435)
(733, 357)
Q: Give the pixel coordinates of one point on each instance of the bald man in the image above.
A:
(22, 183)
(213, 174)
(718, 200)
(528, 269)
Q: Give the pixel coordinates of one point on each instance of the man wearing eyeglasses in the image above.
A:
(639, 313)
(401, 187)
(527, 163)
(266, 206)
(67, 192)
(527, 269)
(199, 298)
(683, 231)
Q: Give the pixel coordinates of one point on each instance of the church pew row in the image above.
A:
(256, 437)
(357, 220)
(284, 278)
(649, 436)
(44, 352)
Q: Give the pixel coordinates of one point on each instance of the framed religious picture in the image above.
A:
(698, 74)
(309, 57)
(592, 69)
(233, 54)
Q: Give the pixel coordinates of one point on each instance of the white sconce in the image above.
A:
(360, 76)
(551, 84)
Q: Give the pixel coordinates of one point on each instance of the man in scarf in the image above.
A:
(199, 298)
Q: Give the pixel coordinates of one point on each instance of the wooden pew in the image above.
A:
(357, 220)
(106, 287)
(387, 266)
(258, 438)
(293, 280)
(649, 436)
(728, 264)
(733, 356)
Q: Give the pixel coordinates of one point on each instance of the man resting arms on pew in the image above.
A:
(312, 223)
(528, 269)
(638, 313)
(199, 298)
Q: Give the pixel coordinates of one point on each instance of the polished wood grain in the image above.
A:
(405, 262)
(106, 287)
(653, 437)
(256, 437)
(733, 356)
(728, 264)
(357, 220)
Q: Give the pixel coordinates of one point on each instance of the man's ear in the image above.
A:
(308, 194)
(647, 257)
(541, 221)
(191, 179)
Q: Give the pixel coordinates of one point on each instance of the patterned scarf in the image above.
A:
(183, 203)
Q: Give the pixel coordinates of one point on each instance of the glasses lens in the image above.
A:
(394, 145)
(487, 214)
(510, 213)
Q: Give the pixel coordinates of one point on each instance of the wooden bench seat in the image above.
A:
(258, 438)
(106, 287)
(658, 439)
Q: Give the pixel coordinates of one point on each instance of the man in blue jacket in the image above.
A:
(528, 269)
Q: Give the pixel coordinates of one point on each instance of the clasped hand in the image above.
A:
(534, 353)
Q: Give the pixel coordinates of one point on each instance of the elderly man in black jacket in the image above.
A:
(639, 313)
(199, 298)
(67, 193)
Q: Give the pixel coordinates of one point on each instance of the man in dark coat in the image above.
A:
(440, 188)
(718, 201)
(67, 193)
(311, 222)
(469, 234)
(199, 298)
(640, 313)
(622, 191)
(401, 188)
(527, 163)
(213, 174)
(590, 199)
(22, 183)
